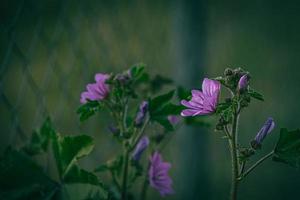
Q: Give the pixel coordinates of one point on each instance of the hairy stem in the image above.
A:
(234, 155)
(125, 175)
(257, 164)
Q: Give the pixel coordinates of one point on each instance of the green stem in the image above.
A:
(125, 175)
(256, 164)
(234, 156)
(139, 134)
(145, 185)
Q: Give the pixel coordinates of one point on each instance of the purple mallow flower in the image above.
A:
(263, 132)
(141, 114)
(173, 119)
(158, 175)
(243, 82)
(140, 148)
(96, 91)
(203, 102)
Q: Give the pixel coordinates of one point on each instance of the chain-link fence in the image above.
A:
(51, 49)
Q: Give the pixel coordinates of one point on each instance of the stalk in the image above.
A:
(257, 164)
(234, 156)
(125, 175)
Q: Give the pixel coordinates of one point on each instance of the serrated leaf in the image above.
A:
(287, 149)
(21, 177)
(67, 150)
(88, 109)
(256, 95)
(159, 101)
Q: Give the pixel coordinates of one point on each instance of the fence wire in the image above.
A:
(51, 49)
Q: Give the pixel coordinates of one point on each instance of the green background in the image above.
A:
(49, 51)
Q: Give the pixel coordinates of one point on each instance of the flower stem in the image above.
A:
(125, 175)
(256, 164)
(145, 185)
(144, 189)
(234, 155)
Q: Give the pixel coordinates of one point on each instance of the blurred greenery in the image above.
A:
(50, 49)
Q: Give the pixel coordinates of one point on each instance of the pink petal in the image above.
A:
(101, 77)
(210, 87)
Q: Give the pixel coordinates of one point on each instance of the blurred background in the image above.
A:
(49, 51)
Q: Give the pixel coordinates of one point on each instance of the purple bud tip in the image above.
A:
(113, 129)
(243, 82)
(174, 119)
(263, 132)
(141, 114)
(140, 148)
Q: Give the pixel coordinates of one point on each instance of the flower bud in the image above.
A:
(140, 148)
(228, 72)
(113, 129)
(140, 117)
(263, 132)
(243, 82)
(173, 119)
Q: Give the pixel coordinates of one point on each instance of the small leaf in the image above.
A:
(157, 102)
(287, 149)
(67, 150)
(87, 110)
(137, 70)
(256, 95)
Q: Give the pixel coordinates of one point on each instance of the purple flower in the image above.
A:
(243, 82)
(96, 91)
(158, 175)
(174, 119)
(140, 148)
(263, 132)
(141, 114)
(203, 102)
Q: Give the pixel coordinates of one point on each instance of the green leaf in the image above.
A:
(287, 149)
(159, 101)
(225, 110)
(137, 70)
(67, 150)
(40, 139)
(168, 109)
(77, 175)
(256, 95)
(163, 121)
(87, 110)
(183, 93)
(196, 121)
(22, 178)
(158, 82)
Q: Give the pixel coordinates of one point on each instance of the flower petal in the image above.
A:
(210, 87)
